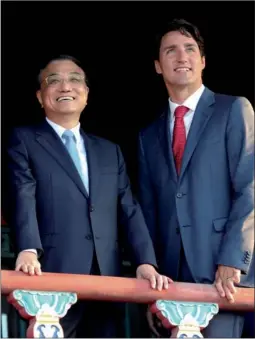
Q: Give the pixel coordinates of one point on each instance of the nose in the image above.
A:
(182, 56)
(65, 86)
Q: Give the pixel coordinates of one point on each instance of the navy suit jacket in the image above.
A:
(52, 212)
(213, 198)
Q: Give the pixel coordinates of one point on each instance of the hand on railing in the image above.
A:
(157, 281)
(225, 278)
(183, 308)
(27, 262)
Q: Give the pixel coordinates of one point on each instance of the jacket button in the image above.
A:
(91, 208)
(179, 195)
(177, 230)
(88, 236)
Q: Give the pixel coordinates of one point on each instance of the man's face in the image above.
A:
(63, 88)
(180, 61)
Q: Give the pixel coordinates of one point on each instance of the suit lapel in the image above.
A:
(51, 142)
(93, 158)
(164, 135)
(201, 117)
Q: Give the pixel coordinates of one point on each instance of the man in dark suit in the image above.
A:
(68, 191)
(196, 177)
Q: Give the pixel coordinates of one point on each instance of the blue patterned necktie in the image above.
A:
(70, 144)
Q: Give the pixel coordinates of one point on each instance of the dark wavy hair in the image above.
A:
(184, 27)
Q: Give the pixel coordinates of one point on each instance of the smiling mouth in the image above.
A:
(182, 69)
(65, 99)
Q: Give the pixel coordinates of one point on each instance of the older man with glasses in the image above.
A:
(68, 189)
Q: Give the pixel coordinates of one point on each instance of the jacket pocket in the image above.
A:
(219, 224)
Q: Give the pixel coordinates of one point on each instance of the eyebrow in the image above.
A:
(51, 74)
(78, 73)
(188, 44)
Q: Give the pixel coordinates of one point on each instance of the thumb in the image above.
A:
(237, 277)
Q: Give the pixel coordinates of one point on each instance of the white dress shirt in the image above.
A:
(81, 152)
(191, 103)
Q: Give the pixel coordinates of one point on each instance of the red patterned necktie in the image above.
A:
(179, 136)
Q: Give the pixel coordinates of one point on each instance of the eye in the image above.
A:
(53, 80)
(170, 50)
(76, 79)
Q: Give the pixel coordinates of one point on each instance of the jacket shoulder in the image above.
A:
(21, 132)
(152, 127)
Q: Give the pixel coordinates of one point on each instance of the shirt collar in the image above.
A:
(191, 102)
(60, 130)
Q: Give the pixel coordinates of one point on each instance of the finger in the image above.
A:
(38, 270)
(153, 281)
(231, 286)
(170, 280)
(31, 270)
(219, 287)
(24, 268)
(237, 277)
(159, 282)
(229, 295)
(165, 283)
(18, 267)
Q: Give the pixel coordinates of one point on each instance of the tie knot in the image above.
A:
(68, 135)
(180, 111)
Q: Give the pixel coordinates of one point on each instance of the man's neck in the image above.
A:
(65, 122)
(180, 94)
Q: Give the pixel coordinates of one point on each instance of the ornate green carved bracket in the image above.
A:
(43, 310)
(185, 319)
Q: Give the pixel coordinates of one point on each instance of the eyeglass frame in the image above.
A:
(63, 79)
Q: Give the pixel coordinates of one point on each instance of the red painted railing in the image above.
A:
(123, 289)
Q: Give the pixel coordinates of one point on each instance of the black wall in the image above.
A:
(114, 40)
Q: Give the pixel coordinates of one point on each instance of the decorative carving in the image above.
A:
(43, 310)
(185, 319)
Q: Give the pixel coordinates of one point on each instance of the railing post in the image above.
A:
(185, 319)
(43, 310)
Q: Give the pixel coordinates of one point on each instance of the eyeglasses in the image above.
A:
(55, 80)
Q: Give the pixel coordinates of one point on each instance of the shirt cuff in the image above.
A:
(30, 250)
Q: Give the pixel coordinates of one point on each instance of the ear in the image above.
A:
(157, 67)
(39, 97)
(203, 63)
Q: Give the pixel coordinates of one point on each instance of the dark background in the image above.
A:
(114, 40)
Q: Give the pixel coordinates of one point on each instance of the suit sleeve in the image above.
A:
(138, 238)
(238, 243)
(146, 194)
(22, 187)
